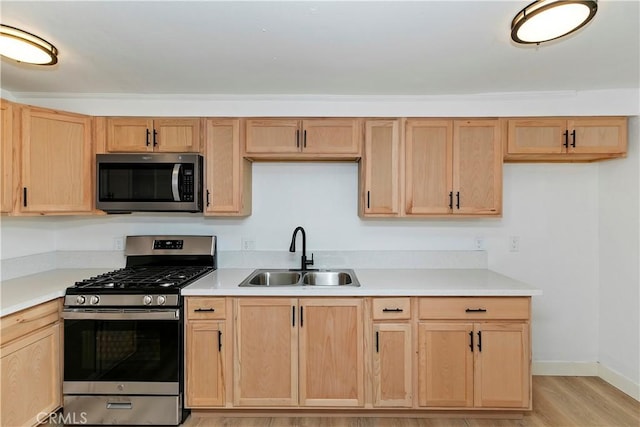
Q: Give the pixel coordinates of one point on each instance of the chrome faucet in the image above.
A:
(304, 262)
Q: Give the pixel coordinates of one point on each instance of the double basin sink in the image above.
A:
(281, 277)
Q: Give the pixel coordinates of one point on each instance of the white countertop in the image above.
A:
(374, 282)
(28, 291)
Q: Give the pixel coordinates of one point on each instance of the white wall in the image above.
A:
(619, 253)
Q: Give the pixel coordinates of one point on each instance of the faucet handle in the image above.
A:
(309, 262)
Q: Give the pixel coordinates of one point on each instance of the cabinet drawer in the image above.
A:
(474, 308)
(205, 308)
(26, 321)
(391, 308)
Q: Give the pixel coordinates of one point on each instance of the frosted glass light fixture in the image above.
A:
(22, 46)
(546, 20)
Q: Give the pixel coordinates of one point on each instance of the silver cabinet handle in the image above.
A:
(119, 405)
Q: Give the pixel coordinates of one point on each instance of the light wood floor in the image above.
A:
(557, 402)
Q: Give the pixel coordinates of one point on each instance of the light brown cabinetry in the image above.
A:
(331, 340)
(30, 365)
(141, 134)
(392, 352)
(205, 352)
(284, 348)
(266, 352)
(380, 169)
(228, 186)
(56, 162)
(303, 138)
(565, 138)
(7, 145)
(453, 167)
(474, 352)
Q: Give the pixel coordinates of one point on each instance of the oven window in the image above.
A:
(126, 182)
(121, 350)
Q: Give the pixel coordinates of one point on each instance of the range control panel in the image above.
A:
(168, 244)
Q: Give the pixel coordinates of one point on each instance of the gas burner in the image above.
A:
(144, 278)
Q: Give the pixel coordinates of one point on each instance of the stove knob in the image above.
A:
(80, 299)
(95, 300)
(161, 300)
(147, 300)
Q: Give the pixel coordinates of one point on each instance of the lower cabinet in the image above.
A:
(466, 364)
(205, 351)
(286, 348)
(265, 366)
(392, 380)
(396, 353)
(392, 372)
(331, 352)
(30, 365)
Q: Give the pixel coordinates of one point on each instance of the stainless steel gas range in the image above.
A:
(123, 334)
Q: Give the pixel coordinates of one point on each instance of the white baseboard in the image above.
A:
(620, 382)
(588, 369)
(572, 369)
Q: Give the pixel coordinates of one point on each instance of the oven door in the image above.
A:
(122, 352)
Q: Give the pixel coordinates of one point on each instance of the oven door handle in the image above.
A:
(121, 315)
(175, 177)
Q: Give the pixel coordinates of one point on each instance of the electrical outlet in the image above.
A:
(248, 244)
(118, 243)
(479, 244)
(514, 244)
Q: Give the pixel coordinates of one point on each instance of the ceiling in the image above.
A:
(315, 48)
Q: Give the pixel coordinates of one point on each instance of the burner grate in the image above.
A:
(151, 277)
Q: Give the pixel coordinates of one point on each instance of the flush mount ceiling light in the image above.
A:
(22, 46)
(546, 20)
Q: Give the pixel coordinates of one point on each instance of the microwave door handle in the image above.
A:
(174, 182)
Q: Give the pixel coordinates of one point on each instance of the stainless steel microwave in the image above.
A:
(149, 182)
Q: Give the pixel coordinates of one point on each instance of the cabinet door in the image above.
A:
(129, 134)
(176, 135)
(31, 382)
(380, 168)
(502, 362)
(445, 364)
(428, 163)
(331, 352)
(598, 135)
(228, 174)
(477, 167)
(6, 155)
(273, 136)
(266, 352)
(331, 136)
(57, 162)
(205, 364)
(392, 360)
(536, 136)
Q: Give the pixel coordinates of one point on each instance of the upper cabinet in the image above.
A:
(380, 169)
(140, 134)
(565, 138)
(56, 162)
(311, 139)
(453, 167)
(6, 155)
(228, 177)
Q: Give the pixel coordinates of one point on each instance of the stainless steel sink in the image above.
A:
(328, 278)
(318, 278)
(275, 278)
